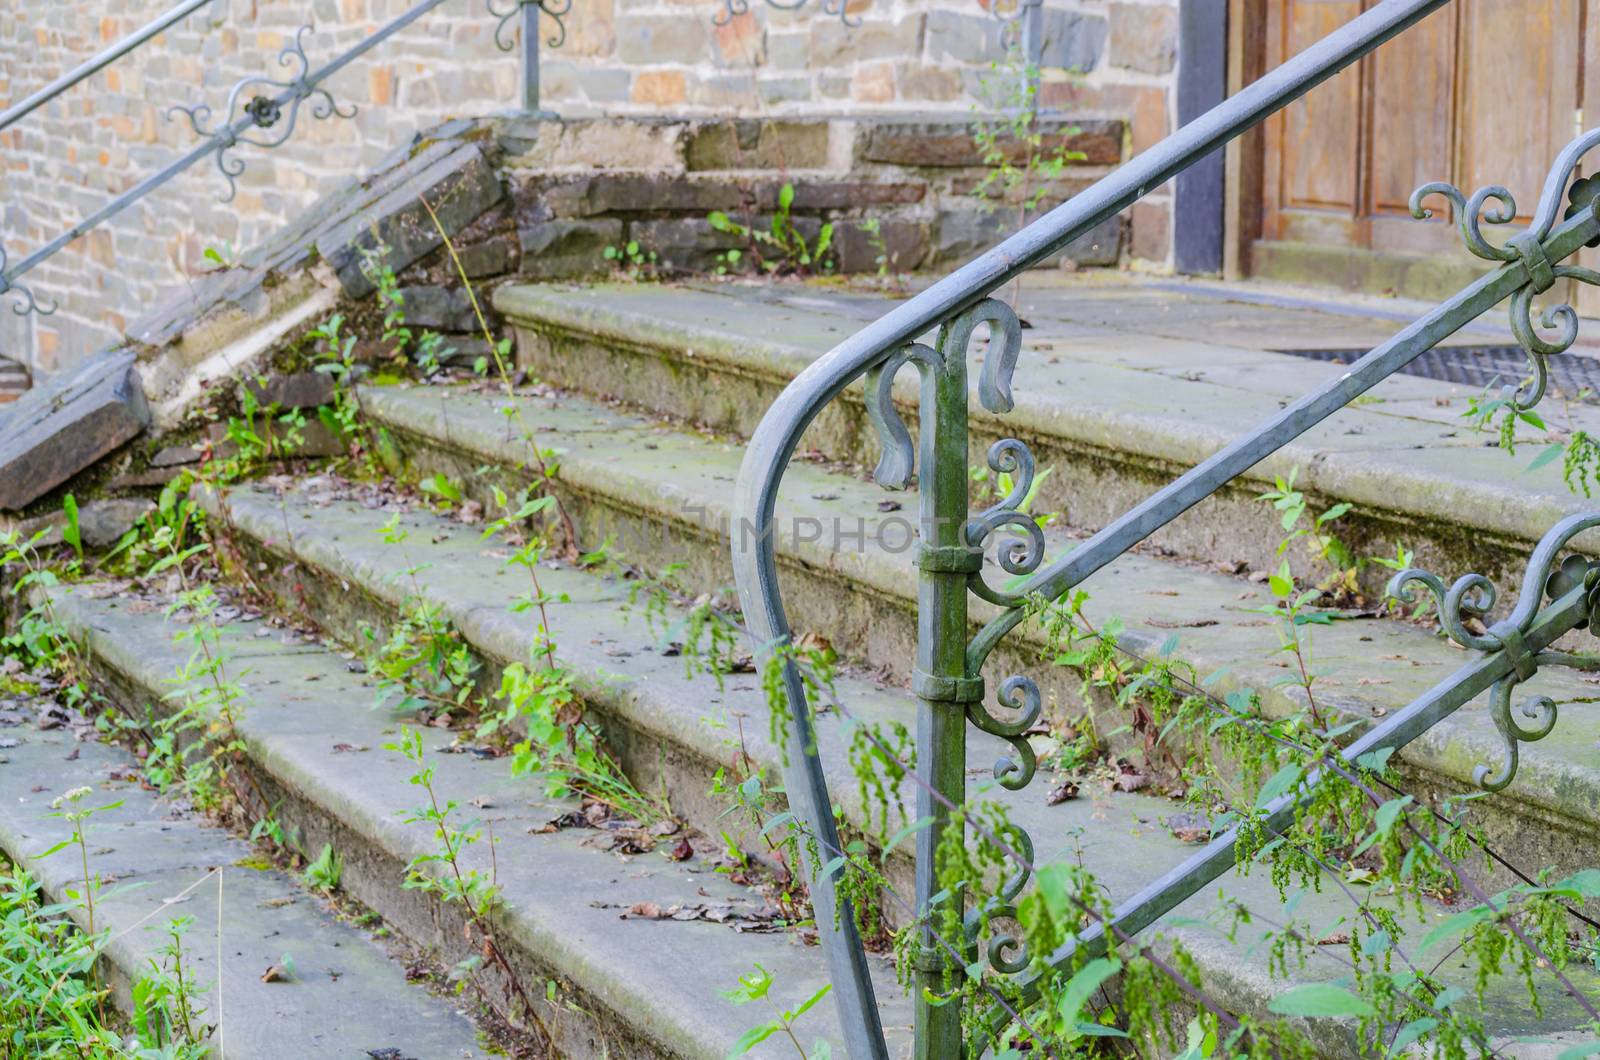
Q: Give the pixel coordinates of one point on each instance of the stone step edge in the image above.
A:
(1515, 518)
(131, 949)
(1445, 753)
(370, 831)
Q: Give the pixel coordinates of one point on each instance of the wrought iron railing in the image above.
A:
(260, 111)
(948, 678)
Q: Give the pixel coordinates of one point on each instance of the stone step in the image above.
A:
(661, 495)
(314, 743)
(344, 996)
(324, 550)
(1121, 386)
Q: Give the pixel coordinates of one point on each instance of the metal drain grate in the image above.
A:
(1478, 366)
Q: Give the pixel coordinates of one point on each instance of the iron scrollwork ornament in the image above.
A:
(1495, 205)
(732, 9)
(558, 10)
(1471, 599)
(269, 101)
(29, 303)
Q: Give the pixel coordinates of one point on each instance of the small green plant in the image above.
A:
(756, 986)
(1298, 523)
(632, 260)
(780, 247)
(442, 874)
(1008, 120)
(326, 870)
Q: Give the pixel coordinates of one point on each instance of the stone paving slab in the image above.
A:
(1119, 836)
(347, 999)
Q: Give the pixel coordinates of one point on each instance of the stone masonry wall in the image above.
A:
(1106, 61)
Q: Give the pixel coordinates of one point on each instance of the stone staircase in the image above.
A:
(630, 940)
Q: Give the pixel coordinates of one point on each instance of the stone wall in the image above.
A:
(906, 60)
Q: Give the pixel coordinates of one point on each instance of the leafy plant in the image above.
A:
(755, 986)
(632, 259)
(780, 247)
(326, 870)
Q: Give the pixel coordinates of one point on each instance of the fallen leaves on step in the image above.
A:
(276, 974)
(1189, 827)
(1193, 623)
(744, 920)
(682, 850)
(1335, 938)
(1067, 789)
(348, 748)
(1129, 778)
(388, 1054)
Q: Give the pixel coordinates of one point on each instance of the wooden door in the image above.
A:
(1480, 92)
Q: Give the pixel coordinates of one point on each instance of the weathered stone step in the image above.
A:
(662, 495)
(316, 746)
(1120, 387)
(325, 552)
(343, 998)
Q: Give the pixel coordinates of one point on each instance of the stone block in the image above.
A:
(1072, 40)
(949, 143)
(439, 308)
(748, 143)
(651, 40)
(302, 390)
(835, 45)
(1144, 37)
(460, 187)
(687, 244)
(67, 424)
(101, 523)
(961, 235)
(904, 244)
(493, 257)
(566, 249)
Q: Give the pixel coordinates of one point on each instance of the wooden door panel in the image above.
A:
(1519, 97)
(1412, 107)
(1322, 130)
(1481, 92)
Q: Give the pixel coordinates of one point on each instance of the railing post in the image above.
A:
(940, 679)
(530, 56)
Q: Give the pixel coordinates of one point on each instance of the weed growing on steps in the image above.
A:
(1010, 91)
(325, 871)
(632, 260)
(1353, 835)
(1495, 410)
(66, 807)
(780, 248)
(756, 986)
(54, 1003)
(440, 873)
(38, 639)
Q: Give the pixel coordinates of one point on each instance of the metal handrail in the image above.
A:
(948, 680)
(127, 44)
(261, 112)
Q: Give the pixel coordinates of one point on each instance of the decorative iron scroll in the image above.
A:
(1495, 205)
(732, 9)
(29, 303)
(556, 9)
(1472, 597)
(263, 111)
